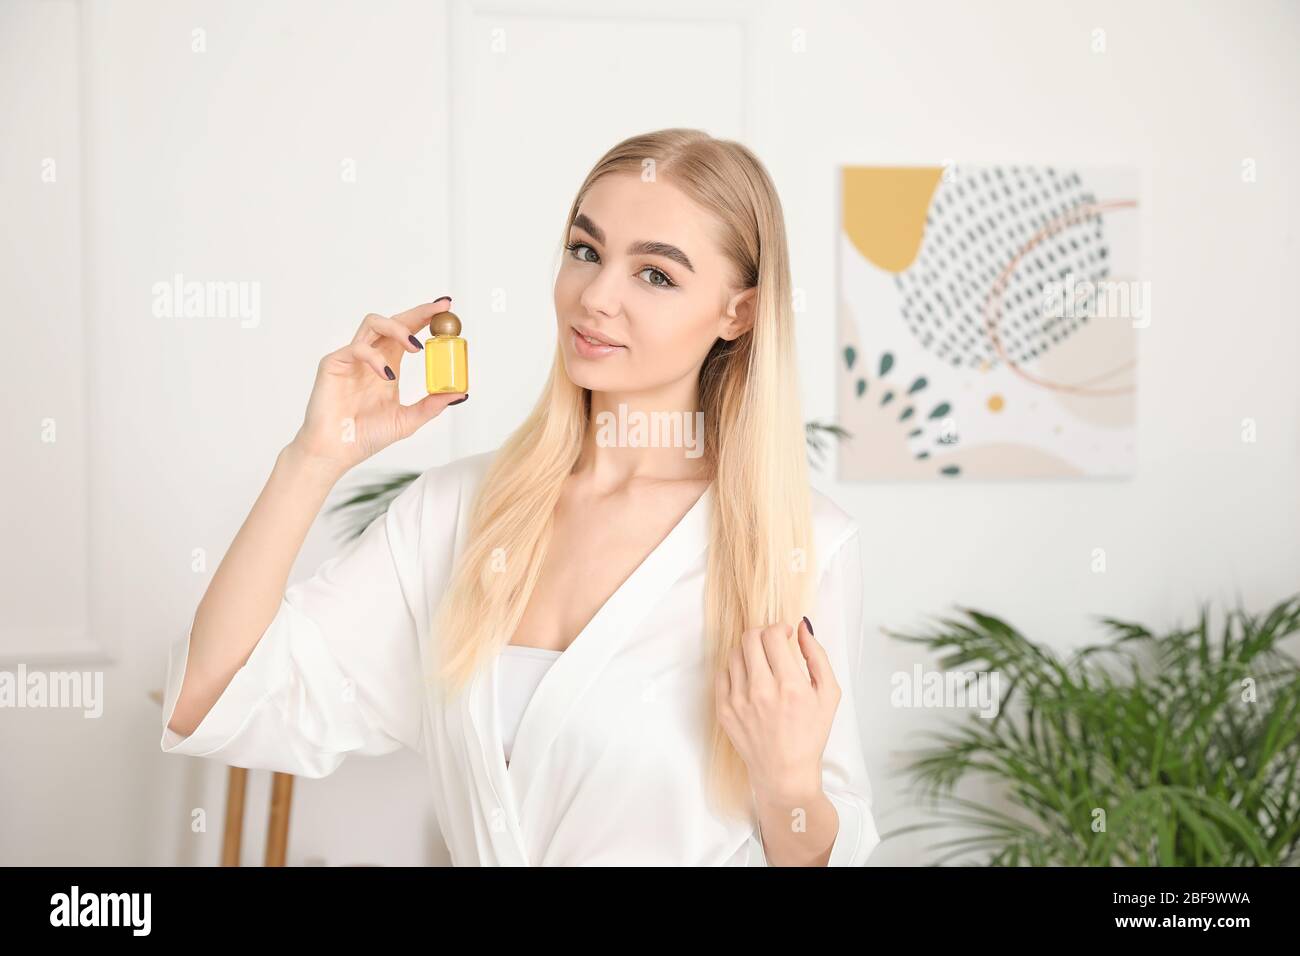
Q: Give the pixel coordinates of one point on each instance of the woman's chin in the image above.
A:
(594, 383)
(582, 375)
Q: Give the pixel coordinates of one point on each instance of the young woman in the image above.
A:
(605, 648)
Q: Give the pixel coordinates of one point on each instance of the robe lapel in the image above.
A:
(493, 812)
(572, 673)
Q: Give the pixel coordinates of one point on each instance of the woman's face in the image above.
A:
(644, 273)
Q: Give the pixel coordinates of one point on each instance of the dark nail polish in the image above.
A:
(441, 297)
(458, 401)
(809, 624)
(415, 341)
(389, 372)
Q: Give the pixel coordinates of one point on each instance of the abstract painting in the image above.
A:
(988, 321)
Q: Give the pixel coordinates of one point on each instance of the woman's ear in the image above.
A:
(739, 317)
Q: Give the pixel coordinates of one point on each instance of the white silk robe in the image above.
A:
(609, 758)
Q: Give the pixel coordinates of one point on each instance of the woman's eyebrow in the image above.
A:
(643, 247)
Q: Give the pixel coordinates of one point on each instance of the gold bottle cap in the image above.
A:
(445, 323)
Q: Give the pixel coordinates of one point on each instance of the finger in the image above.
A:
(736, 670)
(375, 327)
(758, 671)
(784, 664)
(371, 356)
(417, 414)
(819, 663)
(417, 318)
(370, 336)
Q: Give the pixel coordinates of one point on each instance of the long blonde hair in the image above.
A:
(761, 558)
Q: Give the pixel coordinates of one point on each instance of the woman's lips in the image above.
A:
(587, 350)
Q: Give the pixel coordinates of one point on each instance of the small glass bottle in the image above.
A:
(446, 356)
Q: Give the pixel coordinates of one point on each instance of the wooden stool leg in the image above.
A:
(236, 784)
(277, 828)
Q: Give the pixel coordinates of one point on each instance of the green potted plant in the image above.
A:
(1172, 749)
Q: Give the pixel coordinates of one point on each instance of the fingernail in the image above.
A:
(809, 624)
(415, 341)
(441, 297)
(389, 372)
(458, 401)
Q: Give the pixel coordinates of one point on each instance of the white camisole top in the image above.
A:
(520, 670)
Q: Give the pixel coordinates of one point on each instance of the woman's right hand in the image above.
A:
(354, 410)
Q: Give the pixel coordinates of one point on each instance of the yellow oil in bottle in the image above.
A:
(446, 356)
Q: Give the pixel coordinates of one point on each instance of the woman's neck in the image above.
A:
(640, 437)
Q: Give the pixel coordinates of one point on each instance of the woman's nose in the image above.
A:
(601, 293)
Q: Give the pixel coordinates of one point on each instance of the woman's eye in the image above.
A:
(665, 283)
(658, 278)
(575, 246)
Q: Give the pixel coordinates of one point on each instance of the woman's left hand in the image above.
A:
(777, 718)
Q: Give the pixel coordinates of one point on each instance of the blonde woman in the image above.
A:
(604, 647)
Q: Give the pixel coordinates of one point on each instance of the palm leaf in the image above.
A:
(1144, 737)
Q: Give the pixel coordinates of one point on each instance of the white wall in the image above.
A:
(225, 165)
